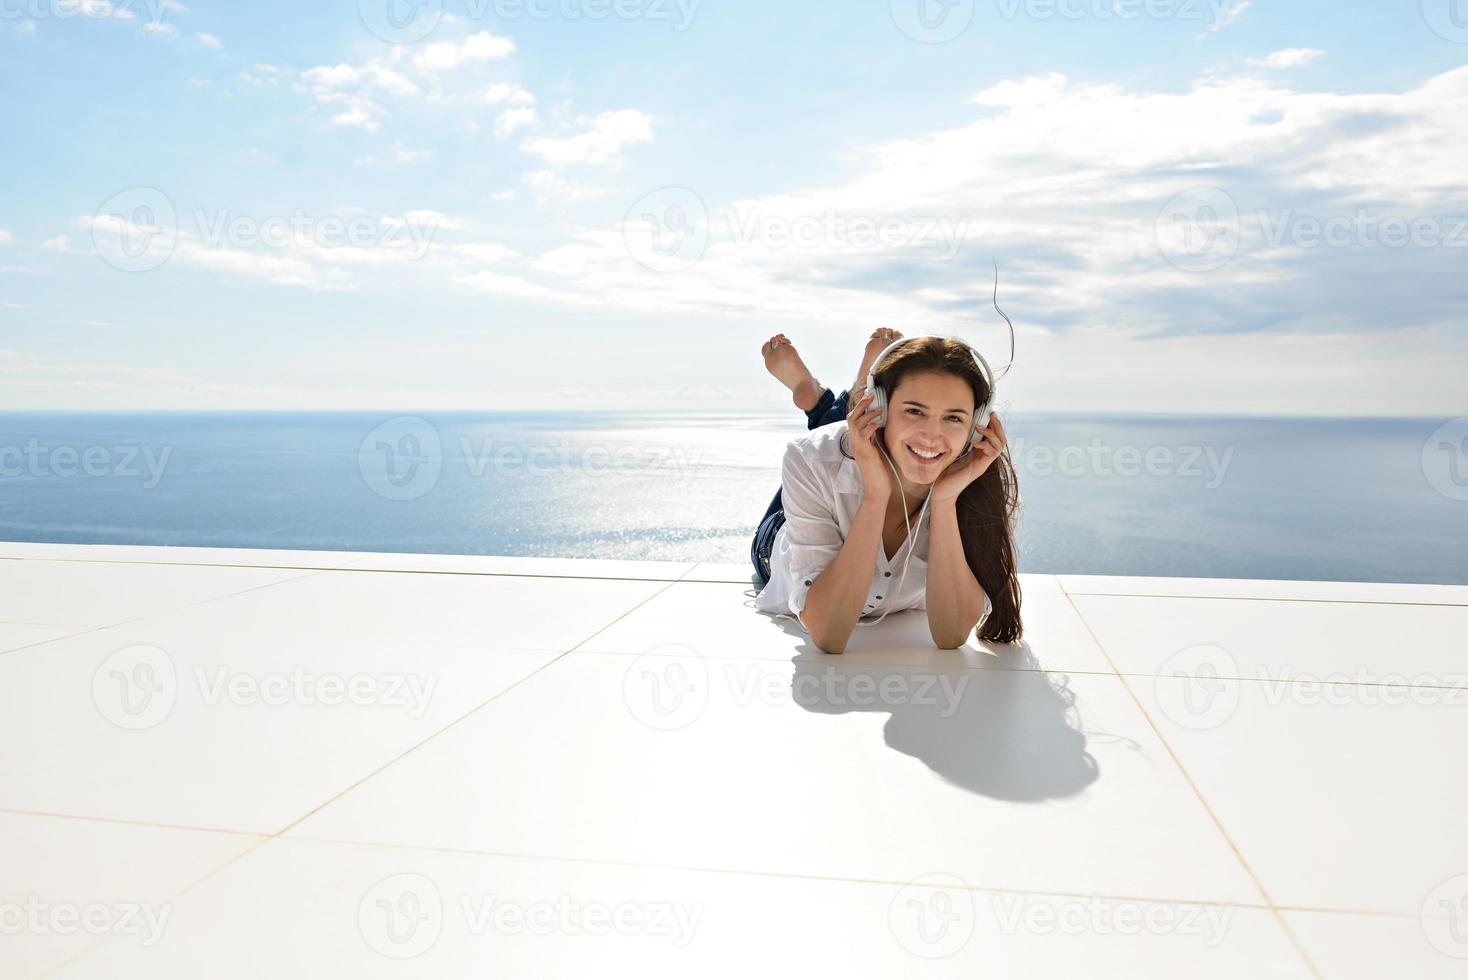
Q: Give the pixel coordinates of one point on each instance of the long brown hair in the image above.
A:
(987, 507)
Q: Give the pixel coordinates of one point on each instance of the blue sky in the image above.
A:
(1209, 206)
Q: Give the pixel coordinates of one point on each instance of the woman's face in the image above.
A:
(928, 419)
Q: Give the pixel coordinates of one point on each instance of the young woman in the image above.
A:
(835, 546)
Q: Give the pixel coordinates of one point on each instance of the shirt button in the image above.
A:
(879, 597)
(807, 581)
(888, 574)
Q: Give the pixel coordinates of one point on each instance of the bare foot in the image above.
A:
(881, 338)
(784, 363)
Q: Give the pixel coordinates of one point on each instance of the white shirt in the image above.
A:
(821, 489)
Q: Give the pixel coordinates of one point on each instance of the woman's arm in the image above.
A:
(837, 597)
(954, 597)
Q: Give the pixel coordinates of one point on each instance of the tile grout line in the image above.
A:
(1203, 800)
(88, 630)
(773, 875)
(383, 571)
(556, 658)
(260, 838)
(1260, 598)
(684, 577)
(179, 893)
(278, 835)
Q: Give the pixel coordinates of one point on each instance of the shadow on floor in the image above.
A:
(1003, 733)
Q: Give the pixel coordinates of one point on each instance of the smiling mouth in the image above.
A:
(923, 458)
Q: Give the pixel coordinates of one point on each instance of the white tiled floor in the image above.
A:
(387, 765)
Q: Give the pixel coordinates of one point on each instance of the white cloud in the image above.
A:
(346, 251)
(512, 119)
(359, 114)
(6, 237)
(1067, 186)
(61, 243)
(166, 31)
(208, 40)
(610, 132)
(1288, 58)
(1230, 15)
(333, 76)
(15, 306)
(549, 186)
(264, 75)
(503, 92)
(364, 95)
(447, 55)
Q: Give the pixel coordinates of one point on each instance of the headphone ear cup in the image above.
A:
(879, 402)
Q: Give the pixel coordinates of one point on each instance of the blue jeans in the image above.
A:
(830, 408)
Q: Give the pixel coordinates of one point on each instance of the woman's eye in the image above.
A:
(913, 411)
(954, 418)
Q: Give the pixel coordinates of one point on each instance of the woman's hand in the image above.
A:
(863, 423)
(987, 445)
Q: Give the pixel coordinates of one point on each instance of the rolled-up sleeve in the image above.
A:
(812, 532)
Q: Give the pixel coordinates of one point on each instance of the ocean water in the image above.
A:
(1326, 499)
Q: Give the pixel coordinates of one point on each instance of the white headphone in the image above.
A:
(880, 401)
(880, 395)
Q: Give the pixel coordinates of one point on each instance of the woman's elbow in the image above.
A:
(951, 641)
(827, 642)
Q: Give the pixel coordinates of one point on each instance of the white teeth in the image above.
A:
(922, 455)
